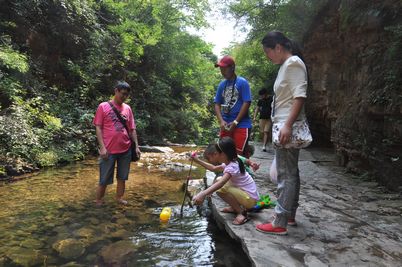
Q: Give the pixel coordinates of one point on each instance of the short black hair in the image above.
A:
(249, 149)
(210, 150)
(122, 85)
(263, 91)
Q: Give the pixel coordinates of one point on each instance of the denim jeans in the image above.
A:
(288, 185)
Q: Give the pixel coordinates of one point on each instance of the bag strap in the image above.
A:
(123, 121)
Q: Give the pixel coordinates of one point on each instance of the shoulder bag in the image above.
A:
(301, 135)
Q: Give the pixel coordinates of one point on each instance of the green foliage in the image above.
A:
(293, 17)
(18, 137)
(13, 65)
(13, 60)
(2, 171)
(46, 159)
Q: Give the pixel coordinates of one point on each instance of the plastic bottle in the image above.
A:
(165, 214)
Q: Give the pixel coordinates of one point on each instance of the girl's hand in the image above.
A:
(199, 198)
(254, 166)
(193, 155)
(284, 134)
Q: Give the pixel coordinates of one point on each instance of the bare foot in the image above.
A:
(99, 202)
(228, 210)
(122, 201)
(240, 219)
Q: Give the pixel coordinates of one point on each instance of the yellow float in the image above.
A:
(165, 214)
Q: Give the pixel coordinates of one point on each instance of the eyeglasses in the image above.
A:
(125, 94)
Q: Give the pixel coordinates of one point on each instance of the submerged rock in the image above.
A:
(24, 256)
(32, 243)
(72, 264)
(150, 203)
(85, 232)
(118, 252)
(121, 234)
(69, 248)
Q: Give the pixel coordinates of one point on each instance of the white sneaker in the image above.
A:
(264, 149)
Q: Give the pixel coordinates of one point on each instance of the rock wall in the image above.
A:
(353, 51)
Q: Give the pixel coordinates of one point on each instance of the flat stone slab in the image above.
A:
(342, 221)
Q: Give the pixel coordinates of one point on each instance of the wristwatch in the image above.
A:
(235, 122)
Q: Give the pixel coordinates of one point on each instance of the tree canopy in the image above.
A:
(59, 59)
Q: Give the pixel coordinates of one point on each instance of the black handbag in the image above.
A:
(134, 156)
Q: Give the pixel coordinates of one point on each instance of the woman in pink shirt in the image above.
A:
(236, 187)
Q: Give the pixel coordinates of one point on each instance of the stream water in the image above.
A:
(50, 220)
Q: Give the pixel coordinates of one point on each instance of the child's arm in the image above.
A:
(207, 165)
(254, 165)
(199, 198)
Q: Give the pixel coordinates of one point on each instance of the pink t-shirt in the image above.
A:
(241, 180)
(115, 136)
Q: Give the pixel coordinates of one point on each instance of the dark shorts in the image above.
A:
(106, 167)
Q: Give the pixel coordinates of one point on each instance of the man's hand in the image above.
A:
(103, 153)
(138, 151)
(223, 126)
(230, 127)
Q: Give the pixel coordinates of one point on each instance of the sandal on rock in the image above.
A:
(243, 219)
(228, 210)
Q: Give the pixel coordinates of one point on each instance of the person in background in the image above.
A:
(114, 142)
(288, 106)
(236, 187)
(264, 109)
(232, 103)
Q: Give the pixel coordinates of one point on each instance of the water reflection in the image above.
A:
(50, 219)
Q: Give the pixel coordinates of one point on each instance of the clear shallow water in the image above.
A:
(50, 220)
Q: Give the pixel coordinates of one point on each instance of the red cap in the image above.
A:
(226, 61)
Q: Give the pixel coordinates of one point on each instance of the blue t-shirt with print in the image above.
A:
(231, 97)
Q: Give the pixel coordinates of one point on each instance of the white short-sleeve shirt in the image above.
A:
(290, 83)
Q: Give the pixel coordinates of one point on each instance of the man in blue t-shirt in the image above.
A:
(232, 103)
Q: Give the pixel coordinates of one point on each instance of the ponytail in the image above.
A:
(296, 49)
(273, 38)
(241, 165)
(227, 146)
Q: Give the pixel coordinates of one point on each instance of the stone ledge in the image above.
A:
(341, 221)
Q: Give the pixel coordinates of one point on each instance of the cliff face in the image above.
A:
(354, 55)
